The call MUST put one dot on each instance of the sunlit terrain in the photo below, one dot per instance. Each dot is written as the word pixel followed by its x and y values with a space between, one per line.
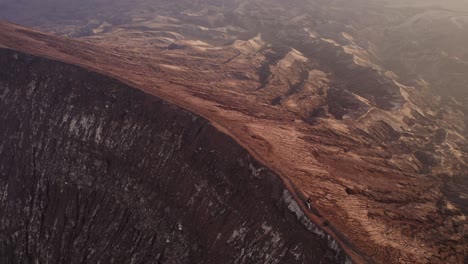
pixel 360 105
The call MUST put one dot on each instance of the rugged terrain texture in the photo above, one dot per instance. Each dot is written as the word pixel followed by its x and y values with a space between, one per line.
pixel 358 104
pixel 95 171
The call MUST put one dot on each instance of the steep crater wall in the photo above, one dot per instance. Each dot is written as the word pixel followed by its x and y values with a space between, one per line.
pixel 94 171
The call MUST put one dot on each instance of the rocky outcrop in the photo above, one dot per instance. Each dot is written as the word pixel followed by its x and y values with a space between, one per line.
pixel 94 171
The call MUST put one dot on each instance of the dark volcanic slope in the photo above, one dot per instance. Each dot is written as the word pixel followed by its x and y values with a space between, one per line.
pixel 360 104
pixel 93 170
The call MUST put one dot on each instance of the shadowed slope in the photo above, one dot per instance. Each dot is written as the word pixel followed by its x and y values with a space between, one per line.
pixel 323 118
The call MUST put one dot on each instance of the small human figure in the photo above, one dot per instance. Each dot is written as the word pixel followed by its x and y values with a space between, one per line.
pixel 309 201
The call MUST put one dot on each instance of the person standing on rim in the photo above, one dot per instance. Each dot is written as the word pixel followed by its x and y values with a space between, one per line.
pixel 309 201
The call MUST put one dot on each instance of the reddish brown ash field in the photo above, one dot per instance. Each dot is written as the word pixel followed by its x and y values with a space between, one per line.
pixel 344 133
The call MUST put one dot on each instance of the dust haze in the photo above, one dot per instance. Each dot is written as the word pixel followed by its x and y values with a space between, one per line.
pixel 278 126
